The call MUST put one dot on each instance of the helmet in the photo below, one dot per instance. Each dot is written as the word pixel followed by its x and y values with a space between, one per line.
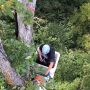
pixel 45 49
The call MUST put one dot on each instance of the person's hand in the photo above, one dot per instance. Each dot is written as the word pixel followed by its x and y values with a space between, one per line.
pixel 46 73
pixel 49 68
pixel 47 77
pixel 41 59
pixel 39 54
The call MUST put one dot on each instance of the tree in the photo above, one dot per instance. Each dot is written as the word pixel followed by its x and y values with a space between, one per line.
pixel 25 33
pixel 25 29
pixel 23 11
pixel 9 73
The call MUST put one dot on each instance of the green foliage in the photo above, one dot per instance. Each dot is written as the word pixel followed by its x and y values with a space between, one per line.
pixel 30 86
pixel 80 30
pixel 85 11
pixel 25 14
pixel 66 25
pixel 7 8
pixel 59 35
pixel 57 10
pixel 81 16
pixel 71 65
pixel 2 83
pixel 65 85
pixel 65 35
pixel 84 42
pixel 17 52
pixel 85 84
pixel 51 10
pixel 42 35
pixel 6 30
pixel 68 34
pixel 86 69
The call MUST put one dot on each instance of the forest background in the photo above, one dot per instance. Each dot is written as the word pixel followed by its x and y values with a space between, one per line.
pixel 65 24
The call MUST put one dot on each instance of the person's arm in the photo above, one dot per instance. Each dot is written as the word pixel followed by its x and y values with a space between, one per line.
pixel 49 68
pixel 39 54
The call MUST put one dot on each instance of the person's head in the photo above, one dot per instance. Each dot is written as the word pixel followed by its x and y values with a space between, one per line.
pixel 46 49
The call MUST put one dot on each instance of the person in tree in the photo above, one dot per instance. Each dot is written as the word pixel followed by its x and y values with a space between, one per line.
pixel 48 57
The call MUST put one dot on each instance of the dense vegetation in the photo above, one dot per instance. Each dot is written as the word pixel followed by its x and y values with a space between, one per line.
pixel 64 24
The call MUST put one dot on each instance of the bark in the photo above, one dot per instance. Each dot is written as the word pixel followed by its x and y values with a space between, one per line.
pixel 25 31
pixel 8 72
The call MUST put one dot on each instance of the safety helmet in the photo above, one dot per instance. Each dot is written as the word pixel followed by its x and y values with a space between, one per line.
pixel 45 49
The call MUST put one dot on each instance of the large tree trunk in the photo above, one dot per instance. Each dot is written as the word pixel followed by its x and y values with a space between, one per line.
pixel 9 73
pixel 25 31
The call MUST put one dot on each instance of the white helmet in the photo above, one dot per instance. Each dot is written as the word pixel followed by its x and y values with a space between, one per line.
pixel 45 49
